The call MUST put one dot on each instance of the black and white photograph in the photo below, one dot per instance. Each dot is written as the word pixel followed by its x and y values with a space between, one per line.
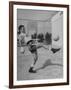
pixel 40 45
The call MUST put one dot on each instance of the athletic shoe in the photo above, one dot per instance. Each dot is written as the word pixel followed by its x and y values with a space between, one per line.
pixel 55 50
pixel 31 70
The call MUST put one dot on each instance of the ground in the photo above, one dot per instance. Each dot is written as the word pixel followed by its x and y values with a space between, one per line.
pixel 48 66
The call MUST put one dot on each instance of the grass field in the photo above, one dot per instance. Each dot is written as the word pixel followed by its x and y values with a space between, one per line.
pixel 48 66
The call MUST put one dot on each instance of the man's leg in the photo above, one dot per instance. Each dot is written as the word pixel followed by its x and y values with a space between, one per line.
pixel 32 69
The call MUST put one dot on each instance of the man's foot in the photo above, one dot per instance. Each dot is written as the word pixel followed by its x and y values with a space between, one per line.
pixel 55 50
pixel 31 70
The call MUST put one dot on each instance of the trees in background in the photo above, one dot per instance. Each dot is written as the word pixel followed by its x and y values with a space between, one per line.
pixel 48 38
pixel 34 36
pixel 40 37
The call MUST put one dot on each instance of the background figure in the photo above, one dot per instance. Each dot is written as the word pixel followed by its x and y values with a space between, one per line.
pixel 21 38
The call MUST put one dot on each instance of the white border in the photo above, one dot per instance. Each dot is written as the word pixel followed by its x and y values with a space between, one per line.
pixel 27 82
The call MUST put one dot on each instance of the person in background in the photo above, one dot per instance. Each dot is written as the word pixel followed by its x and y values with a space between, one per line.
pixel 21 38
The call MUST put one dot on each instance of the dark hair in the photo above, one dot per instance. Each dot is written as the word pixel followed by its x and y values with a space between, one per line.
pixel 30 41
pixel 19 28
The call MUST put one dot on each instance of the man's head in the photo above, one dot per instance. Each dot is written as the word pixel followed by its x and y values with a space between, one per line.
pixel 30 42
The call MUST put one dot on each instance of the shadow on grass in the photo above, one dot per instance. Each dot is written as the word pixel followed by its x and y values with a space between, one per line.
pixel 49 63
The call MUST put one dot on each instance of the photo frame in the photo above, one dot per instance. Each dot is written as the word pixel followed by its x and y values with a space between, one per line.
pixel 39 18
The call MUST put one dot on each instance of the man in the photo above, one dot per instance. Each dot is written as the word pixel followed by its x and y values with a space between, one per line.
pixel 33 49
pixel 33 45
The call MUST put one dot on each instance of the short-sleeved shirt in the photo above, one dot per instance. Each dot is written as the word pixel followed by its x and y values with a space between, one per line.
pixel 32 48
